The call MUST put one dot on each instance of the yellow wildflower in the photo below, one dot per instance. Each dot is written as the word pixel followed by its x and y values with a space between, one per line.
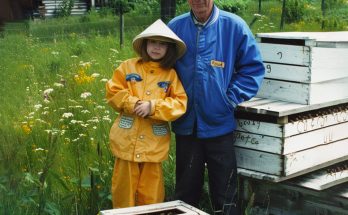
pixel 26 129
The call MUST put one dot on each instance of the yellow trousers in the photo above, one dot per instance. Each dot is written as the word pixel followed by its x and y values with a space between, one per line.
pixel 136 184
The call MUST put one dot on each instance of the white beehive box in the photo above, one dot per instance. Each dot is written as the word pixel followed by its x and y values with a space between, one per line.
pixel 166 208
pixel 305 67
pixel 289 140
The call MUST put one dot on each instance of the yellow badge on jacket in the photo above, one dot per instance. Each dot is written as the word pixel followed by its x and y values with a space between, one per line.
pixel 216 63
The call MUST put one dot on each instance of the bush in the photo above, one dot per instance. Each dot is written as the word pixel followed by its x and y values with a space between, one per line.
pixel 294 10
pixel 237 6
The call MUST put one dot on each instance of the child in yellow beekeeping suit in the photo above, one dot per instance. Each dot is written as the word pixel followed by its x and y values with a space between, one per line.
pixel 147 94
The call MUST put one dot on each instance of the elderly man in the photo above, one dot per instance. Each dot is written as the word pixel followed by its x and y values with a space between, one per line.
pixel 221 68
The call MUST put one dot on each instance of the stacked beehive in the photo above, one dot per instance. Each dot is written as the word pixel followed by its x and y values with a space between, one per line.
pixel 298 124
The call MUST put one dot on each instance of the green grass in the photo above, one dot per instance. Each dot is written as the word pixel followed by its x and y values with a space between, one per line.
pixel 54 155
pixel 54 143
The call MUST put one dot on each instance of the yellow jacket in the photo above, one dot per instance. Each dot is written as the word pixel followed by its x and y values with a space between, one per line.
pixel 147 139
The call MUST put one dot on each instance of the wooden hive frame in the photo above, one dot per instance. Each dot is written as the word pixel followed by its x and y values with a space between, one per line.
pixel 279 140
pixel 166 208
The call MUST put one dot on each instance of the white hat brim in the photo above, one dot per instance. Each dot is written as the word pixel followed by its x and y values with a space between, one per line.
pixel 159 29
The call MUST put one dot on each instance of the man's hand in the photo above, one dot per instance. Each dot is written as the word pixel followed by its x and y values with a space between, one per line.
pixel 142 108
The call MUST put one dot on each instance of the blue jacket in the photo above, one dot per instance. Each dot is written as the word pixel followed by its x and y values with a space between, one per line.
pixel 221 68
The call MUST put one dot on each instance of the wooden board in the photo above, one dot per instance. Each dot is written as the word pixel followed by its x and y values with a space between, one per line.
pixel 338 39
pixel 303 93
pixel 277 108
pixel 304 64
pixel 324 178
pixel 173 207
pixel 293 164
pixel 306 122
pixel 284 145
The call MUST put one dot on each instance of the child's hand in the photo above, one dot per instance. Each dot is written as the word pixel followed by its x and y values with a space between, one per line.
pixel 142 108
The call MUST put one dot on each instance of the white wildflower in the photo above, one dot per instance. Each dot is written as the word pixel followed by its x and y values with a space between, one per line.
pixel 73 121
pixel 95 75
pixel 85 64
pixel 114 50
pixel 85 111
pixel 59 85
pixel 85 125
pixel 38 106
pixel 106 118
pixel 85 95
pixel 103 80
pixel 75 140
pixel 95 120
pixel 48 91
pixel 67 115
pixel 73 101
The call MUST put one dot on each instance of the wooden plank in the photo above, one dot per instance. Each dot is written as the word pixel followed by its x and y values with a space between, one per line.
pixel 314 122
pixel 258 175
pixel 328 64
pixel 288 72
pixel 173 207
pixel 321 39
pixel 315 93
pixel 259 142
pixel 259 127
pixel 309 122
pixel 282 108
pixel 259 161
pixel 294 164
pixel 314 138
pixel 315 158
pixel 285 91
pixel 285 54
pixel 323 91
pixel 324 178
pixel 269 137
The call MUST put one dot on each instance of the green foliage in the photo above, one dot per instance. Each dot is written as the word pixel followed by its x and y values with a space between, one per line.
pixel 65 8
pixel 237 6
pixel 294 10
pixel 146 7
pixel 52 162
pixel 122 6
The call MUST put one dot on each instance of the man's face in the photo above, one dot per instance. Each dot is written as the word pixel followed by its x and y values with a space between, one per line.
pixel 201 8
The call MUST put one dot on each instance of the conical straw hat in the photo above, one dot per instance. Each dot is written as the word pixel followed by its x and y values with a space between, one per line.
pixel 159 31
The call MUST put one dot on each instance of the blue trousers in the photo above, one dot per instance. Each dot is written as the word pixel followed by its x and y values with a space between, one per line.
pixel 193 156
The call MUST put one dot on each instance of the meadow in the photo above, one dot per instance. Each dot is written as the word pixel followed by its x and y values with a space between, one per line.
pixel 54 154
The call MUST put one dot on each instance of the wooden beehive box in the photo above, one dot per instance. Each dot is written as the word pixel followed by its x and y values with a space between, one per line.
pixel 277 140
pixel 166 208
pixel 304 67
pixel 292 198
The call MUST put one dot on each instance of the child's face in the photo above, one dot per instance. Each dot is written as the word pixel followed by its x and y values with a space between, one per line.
pixel 156 49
